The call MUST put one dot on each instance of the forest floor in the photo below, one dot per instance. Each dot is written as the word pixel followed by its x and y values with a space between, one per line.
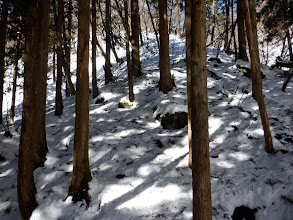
pixel 140 170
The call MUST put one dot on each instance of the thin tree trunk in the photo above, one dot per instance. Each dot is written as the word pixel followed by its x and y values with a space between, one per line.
pixel 251 29
pixel 81 171
pixel 170 17
pixel 241 32
pixel 213 21
pixel 227 6
pixel 153 23
pixel 127 38
pixel 166 82
pixel 135 67
pixel 94 49
pixel 202 205
pixel 66 57
pixel 108 73
pixel 288 36
pixel 188 67
pixel 17 57
pixel 58 101
pixel 178 28
pixel 54 62
pixel 3 28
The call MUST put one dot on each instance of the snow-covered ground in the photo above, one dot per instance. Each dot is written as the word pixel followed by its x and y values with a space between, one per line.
pixel 140 170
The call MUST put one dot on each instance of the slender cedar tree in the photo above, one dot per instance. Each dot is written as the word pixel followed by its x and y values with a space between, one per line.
pixel 251 29
pixel 15 74
pixel 226 38
pixel 188 67
pixel 58 101
pixel 166 82
pixel 81 171
pixel 35 60
pixel 108 73
pixel 127 38
pixel 136 69
pixel 3 28
pixel 94 49
pixel 241 32
pixel 199 111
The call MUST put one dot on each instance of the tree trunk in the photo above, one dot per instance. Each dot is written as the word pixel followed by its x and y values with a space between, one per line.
pixel 66 57
pixel 166 82
pixel 127 38
pixel 58 101
pixel 153 23
pixel 108 73
pixel 94 49
pixel 241 32
pixel 135 67
pixel 251 29
pixel 36 49
pixel 213 21
pixel 188 67
pixel 3 28
pixel 170 17
pixel 178 28
pixel 81 171
pixel 227 6
pixel 202 206
pixel 288 36
pixel 17 57
pixel 54 62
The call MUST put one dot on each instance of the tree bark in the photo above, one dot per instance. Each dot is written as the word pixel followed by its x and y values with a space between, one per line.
pixel 178 28
pixel 58 101
pixel 288 36
pixel 251 29
pixel 213 21
pixel 127 38
pixel 94 49
pixel 17 57
pixel 188 67
pixel 81 172
pixel 34 102
pixel 202 206
pixel 226 38
pixel 135 67
pixel 166 82
pixel 108 73
pixel 241 32
pixel 3 28
pixel 54 62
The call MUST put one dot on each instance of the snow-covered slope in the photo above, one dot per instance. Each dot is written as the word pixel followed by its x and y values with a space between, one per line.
pixel 140 170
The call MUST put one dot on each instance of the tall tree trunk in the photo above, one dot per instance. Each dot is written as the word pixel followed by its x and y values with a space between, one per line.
pixel 153 23
pixel 127 38
pixel 213 21
pixel 178 28
pixel 94 49
pixel 241 32
pixel 108 73
pixel 41 82
pixel 188 67
pixel 36 49
pixel 66 55
pixel 54 62
pixel 3 28
pixel 202 205
pixel 288 36
pixel 135 67
pixel 166 82
pixel 251 29
pixel 81 171
pixel 58 101
pixel 17 57
pixel 170 17
pixel 227 6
